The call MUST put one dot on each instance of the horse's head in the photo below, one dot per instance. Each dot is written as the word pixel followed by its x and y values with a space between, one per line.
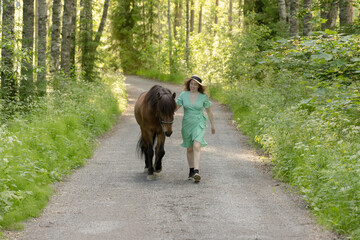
pixel 166 108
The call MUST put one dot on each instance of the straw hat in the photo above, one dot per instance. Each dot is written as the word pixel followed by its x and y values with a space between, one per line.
pixel 195 78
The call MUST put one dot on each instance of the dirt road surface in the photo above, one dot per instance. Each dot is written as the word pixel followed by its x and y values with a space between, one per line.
pixel 111 198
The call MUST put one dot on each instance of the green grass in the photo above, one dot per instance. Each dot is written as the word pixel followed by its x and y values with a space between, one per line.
pixel 40 147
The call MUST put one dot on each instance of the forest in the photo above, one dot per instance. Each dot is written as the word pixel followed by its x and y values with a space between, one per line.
pixel 288 69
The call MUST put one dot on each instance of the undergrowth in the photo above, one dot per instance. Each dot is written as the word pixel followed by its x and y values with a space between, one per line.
pixel 300 101
pixel 41 146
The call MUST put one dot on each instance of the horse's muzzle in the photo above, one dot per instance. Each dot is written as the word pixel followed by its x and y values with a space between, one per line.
pixel 168 134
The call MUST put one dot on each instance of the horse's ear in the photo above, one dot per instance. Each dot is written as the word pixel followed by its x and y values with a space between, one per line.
pixel 159 95
pixel 174 95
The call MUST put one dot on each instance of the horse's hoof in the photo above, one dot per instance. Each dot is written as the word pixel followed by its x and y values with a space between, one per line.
pixel 150 177
pixel 157 170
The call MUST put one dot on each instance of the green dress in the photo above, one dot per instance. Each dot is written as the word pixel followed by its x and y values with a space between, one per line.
pixel 194 120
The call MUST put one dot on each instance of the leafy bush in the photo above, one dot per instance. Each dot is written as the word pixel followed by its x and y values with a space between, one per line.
pixel 305 112
pixel 43 146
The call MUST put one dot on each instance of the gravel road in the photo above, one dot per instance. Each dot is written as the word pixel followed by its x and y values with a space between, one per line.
pixel 110 198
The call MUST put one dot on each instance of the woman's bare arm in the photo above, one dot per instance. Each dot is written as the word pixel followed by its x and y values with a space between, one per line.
pixel 211 118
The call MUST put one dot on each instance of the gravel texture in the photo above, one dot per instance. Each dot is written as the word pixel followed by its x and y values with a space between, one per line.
pixel 111 198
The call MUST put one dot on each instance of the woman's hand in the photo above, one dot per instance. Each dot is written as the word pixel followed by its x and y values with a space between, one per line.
pixel 213 130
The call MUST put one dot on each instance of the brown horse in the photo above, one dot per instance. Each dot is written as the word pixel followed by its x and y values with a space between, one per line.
pixel 154 112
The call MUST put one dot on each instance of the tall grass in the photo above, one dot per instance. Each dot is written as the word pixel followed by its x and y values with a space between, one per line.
pixel 40 147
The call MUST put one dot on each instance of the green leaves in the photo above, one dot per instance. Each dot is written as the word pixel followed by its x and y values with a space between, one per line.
pixel 322 56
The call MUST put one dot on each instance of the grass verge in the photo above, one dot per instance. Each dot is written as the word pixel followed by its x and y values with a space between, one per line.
pixel 57 136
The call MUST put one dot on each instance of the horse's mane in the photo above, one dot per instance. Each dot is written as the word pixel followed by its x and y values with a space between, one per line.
pixel 168 103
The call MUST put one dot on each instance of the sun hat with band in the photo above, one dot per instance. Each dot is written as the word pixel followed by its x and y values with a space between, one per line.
pixel 195 78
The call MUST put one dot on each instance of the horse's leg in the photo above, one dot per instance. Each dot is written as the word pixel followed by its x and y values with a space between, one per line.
pixel 148 143
pixel 148 158
pixel 159 152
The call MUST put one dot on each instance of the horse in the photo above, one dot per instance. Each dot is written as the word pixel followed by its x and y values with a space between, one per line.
pixel 154 112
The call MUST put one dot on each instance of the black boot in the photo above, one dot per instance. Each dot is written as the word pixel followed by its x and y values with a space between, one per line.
pixel 191 174
pixel 197 177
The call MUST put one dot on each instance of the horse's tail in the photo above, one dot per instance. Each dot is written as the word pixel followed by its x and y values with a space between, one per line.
pixel 139 147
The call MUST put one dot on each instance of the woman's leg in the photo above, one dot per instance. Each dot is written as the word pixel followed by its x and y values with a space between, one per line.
pixel 190 156
pixel 196 154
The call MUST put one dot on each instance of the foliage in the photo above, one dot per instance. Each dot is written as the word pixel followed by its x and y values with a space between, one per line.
pixel 57 136
pixel 300 101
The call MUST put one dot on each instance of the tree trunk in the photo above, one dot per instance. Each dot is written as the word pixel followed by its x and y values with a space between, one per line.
pixel 307 20
pixel 36 29
pixel 288 4
pixel 216 15
pixel 294 20
pixel 240 12
pixel 159 32
pixel 200 19
pixel 151 22
pixel 91 54
pixel 178 16
pixel 41 76
pixel 192 16
pixel 86 40
pixel 170 39
pixel 144 34
pixel 330 14
pixel 187 50
pixel 66 43
pixel 282 10
pixel 102 23
pixel 346 12
pixel 73 40
pixel 216 11
pixel 230 15
pixel 55 35
pixel 8 78
pixel 27 80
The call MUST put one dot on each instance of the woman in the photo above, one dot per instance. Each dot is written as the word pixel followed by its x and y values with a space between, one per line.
pixel 193 99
